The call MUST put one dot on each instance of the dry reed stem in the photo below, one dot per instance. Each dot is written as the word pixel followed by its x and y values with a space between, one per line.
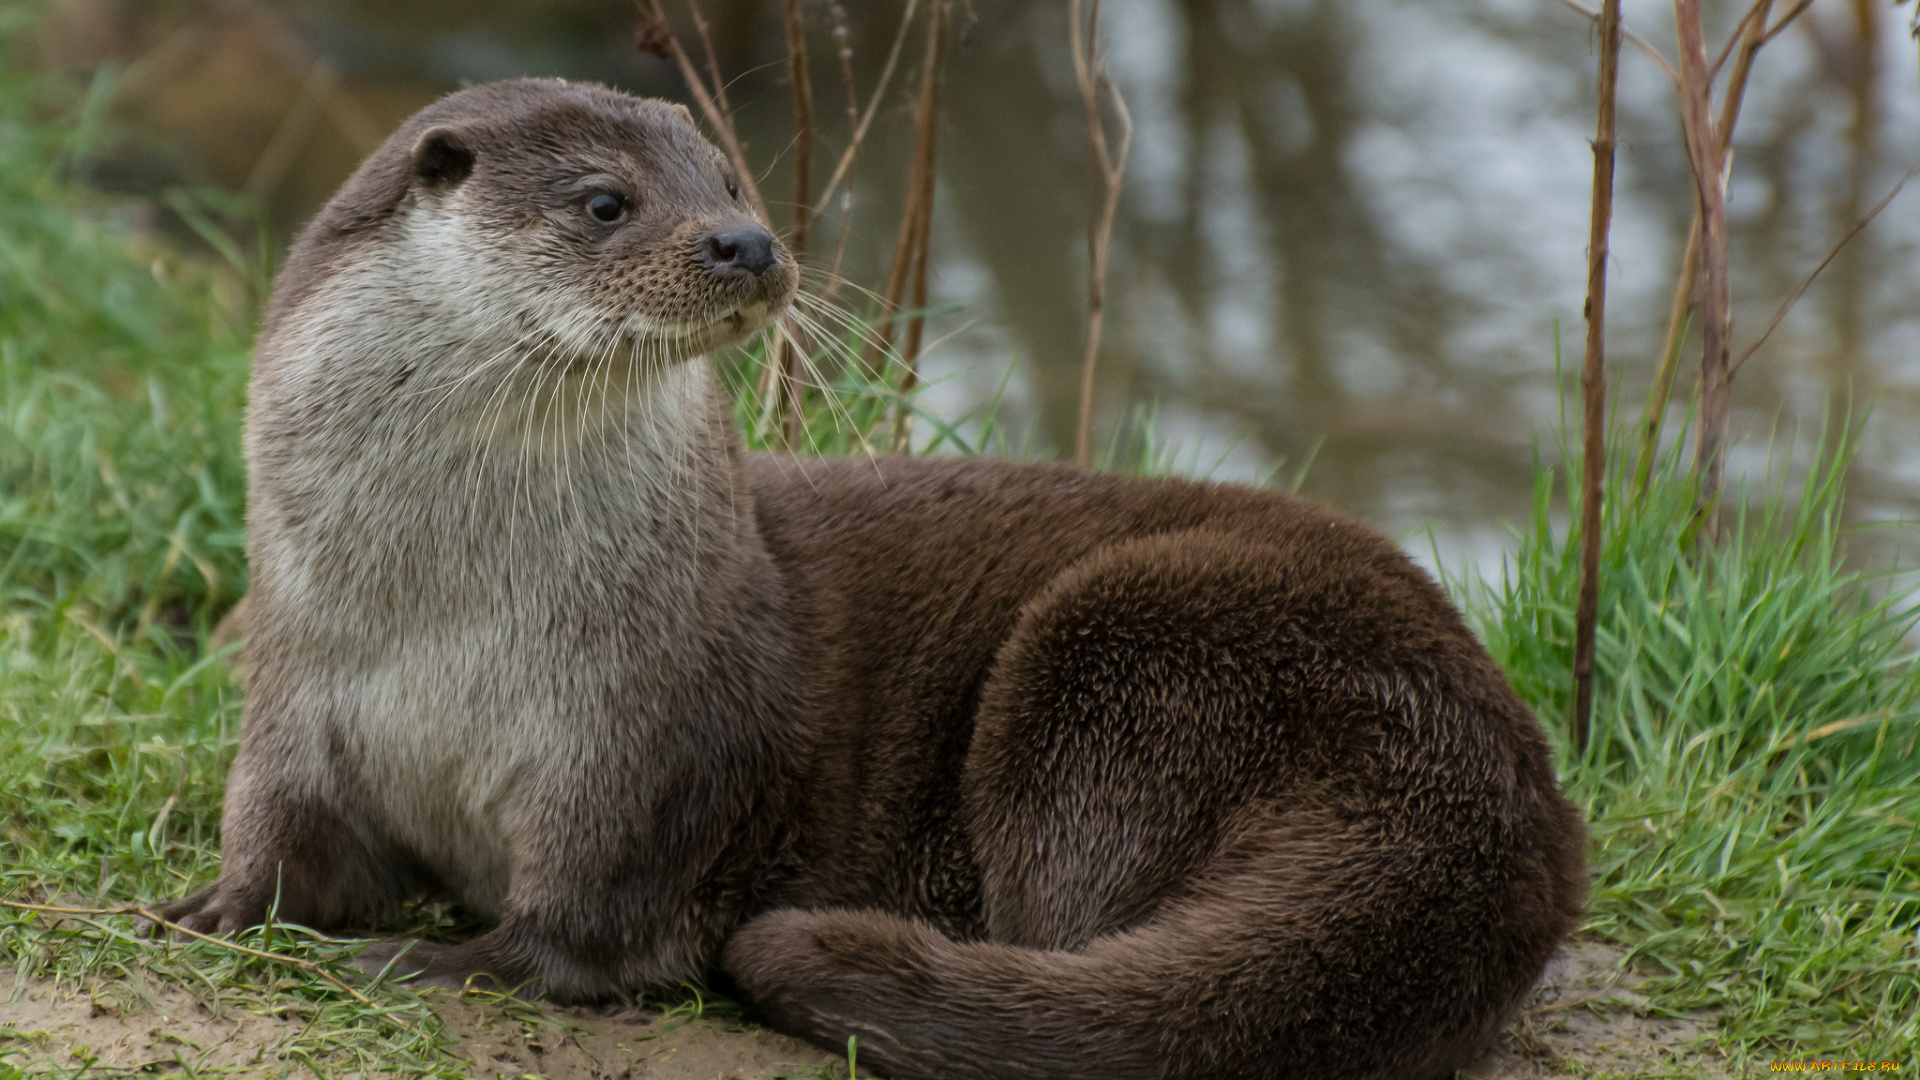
pixel 1786 20
pixel 1739 35
pixel 929 122
pixel 916 226
pixel 845 167
pixel 654 36
pixel 1716 313
pixel 1751 35
pixel 1593 378
pixel 802 123
pixel 909 215
pixel 153 917
pixel 1106 169
pixel 701 28
pixel 1679 312
pixel 1792 298
pixel 843 49
pixel 1653 51
pixel 789 358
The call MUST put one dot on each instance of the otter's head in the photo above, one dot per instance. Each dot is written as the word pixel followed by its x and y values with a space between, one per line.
pixel 568 220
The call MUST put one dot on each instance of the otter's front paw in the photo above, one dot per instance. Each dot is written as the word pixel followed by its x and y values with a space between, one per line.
pixel 424 963
pixel 216 909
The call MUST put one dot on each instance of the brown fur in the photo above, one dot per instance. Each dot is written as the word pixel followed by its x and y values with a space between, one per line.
pixel 1009 771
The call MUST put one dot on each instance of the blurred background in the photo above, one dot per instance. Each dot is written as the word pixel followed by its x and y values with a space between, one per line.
pixel 1351 230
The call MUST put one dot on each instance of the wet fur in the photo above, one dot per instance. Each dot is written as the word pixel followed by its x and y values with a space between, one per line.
pixel 1009 771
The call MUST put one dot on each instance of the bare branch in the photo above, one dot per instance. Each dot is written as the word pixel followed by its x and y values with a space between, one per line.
pixel 916 227
pixel 1703 151
pixel 843 47
pixel 1859 227
pixel 802 123
pixel 1787 19
pixel 655 36
pixel 1751 36
pixel 1645 46
pixel 713 61
pixel 873 106
pixel 792 343
pixel 1106 169
pixel 1733 39
pixel 1593 386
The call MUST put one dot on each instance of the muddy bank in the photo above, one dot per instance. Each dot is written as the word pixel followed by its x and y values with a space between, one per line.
pixel 1585 1020
pixel 141 1025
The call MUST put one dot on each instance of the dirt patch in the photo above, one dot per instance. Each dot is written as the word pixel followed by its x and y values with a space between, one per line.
pixel 1585 1020
pixel 130 1024
pixel 145 1026
pixel 514 1041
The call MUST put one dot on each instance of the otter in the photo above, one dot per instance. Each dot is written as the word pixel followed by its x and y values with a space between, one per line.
pixel 1007 770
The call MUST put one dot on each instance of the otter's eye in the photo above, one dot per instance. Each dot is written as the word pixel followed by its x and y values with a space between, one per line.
pixel 607 208
pixel 733 189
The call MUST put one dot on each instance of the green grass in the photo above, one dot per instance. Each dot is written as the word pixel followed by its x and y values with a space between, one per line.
pixel 122 376
pixel 1752 784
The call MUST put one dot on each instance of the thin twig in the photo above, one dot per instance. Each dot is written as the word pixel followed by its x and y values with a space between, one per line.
pixel 1638 42
pixel 911 241
pixel 1593 385
pixel 1739 34
pixel 904 237
pixel 790 401
pixel 1750 35
pixel 873 106
pixel 1787 19
pixel 153 917
pixel 920 205
pixel 654 35
pixel 1753 36
pixel 802 123
pixel 1679 319
pixel 713 60
pixel 843 48
pixel 1106 168
pixel 1859 227
pixel 1703 151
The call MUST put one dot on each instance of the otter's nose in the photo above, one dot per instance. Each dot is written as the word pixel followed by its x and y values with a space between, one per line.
pixel 737 252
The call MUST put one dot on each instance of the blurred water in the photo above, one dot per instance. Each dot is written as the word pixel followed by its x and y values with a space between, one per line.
pixel 1350 227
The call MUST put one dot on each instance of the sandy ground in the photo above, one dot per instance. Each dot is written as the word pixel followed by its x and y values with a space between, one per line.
pixel 628 1044
pixel 141 1026
pixel 1583 1022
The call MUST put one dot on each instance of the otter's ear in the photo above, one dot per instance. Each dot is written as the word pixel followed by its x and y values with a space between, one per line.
pixel 681 114
pixel 441 158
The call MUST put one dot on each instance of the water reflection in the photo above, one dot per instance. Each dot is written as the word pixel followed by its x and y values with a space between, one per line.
pixel 1350 224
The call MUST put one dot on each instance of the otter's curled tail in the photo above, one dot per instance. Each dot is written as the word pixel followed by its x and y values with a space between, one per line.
pixel 1312 949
